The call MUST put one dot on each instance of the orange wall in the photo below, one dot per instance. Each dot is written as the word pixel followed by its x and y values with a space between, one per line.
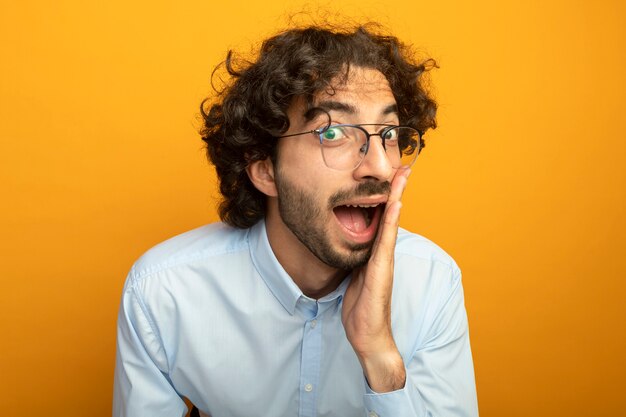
pixel 523 183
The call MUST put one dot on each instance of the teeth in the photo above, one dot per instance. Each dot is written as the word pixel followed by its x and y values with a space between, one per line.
pixel 362 205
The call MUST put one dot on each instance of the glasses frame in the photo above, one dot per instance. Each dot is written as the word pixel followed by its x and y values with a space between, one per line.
pixel 386 128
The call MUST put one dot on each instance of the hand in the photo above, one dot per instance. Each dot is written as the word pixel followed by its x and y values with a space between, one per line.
pixel 366 313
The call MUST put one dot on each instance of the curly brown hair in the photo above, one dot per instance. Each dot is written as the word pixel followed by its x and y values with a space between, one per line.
pixel 244 119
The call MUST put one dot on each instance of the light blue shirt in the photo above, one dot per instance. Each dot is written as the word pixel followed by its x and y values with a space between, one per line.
pixel 212 316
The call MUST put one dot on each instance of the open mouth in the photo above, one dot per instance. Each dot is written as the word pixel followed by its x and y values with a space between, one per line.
pixel 359 218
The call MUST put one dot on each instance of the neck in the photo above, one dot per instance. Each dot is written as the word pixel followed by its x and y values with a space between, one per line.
pixel 314 278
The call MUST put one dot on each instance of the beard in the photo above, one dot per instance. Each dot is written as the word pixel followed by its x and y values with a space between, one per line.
pixel 307 218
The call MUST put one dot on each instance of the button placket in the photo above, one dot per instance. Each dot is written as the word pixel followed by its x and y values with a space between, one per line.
pixel 310 368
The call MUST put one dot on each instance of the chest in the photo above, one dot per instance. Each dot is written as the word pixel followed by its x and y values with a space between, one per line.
pixel 268 365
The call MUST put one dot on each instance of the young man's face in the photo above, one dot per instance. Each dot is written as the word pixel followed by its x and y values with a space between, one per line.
pixel 316 203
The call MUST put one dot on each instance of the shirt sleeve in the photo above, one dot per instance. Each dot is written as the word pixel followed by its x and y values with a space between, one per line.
pixel 141 384
pixel 439 374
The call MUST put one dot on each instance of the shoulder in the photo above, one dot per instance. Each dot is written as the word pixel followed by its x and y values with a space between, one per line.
pixel 203 242
pixel 417 247
pixel 422 267
pixel 427 303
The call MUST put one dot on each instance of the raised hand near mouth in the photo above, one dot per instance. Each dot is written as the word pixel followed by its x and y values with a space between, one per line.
pixel 366 313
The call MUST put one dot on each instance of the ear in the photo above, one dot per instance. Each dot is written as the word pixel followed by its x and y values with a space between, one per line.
pixel 261 173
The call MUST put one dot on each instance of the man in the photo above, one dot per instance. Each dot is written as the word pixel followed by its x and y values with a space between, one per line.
pixel 308 300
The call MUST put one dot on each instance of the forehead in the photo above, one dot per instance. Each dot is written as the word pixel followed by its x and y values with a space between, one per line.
pixel 363 93
pixel 360 86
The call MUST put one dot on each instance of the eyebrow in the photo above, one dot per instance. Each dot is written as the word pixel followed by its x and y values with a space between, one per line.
pixel 330 105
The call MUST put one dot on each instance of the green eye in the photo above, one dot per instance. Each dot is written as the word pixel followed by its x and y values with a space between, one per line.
pixel 333 134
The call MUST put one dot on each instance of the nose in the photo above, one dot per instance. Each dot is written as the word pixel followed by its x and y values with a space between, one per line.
pixel 375 164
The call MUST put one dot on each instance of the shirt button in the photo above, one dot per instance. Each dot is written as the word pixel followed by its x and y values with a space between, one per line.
pixel 309 388
pixel 372 414
pixel 313 324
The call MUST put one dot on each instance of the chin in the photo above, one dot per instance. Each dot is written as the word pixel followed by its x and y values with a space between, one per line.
pixel 350 257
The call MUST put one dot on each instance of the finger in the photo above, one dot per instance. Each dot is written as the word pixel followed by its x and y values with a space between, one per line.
pixel 398 185
pixel 386 240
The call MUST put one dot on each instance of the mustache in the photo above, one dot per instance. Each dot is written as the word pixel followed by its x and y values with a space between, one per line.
pixel 362 190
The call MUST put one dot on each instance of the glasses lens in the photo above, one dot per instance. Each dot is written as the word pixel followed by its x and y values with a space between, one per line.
pixel 402 145
pixel 343 147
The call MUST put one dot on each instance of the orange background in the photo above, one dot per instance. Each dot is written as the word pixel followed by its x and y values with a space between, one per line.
pixel 523 183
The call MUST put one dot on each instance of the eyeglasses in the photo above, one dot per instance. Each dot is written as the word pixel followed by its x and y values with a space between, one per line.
pixel 344 146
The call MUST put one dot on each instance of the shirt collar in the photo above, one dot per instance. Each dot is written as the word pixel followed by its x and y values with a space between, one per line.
pixel 275 277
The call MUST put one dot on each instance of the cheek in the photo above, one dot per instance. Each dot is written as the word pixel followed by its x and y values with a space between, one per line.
pixel 303 153
pixel 302 166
